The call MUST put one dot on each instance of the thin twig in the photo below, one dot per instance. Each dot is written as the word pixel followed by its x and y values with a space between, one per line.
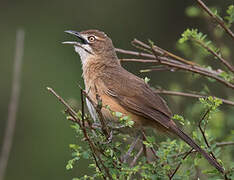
pixel 198 70
pixel 97 164
pixel 62 100
pixel 178 65
pixel 100 115
pixel 141 47
pixel 154 152
pixel 139 60
pixel 221 144
pixel 136 157
pixel 176 93
pixel 153 60
pixel 134 53
pixel 151 148
pixel 182 153
pixel 132 146
pixel 157 50
pixel 92 147
pixel 102 119
pixel 85 131
pixel 203 131
pixel 216 18
pixel 83 128
pixel 178 166
pixel 187 67
pixel 219 56
pixel 144 146
pixel 13 105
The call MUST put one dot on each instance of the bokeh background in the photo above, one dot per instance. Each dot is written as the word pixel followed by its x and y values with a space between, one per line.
pixel 42 135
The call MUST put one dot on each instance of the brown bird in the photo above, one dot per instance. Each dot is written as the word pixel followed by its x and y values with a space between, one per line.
pixel 121 90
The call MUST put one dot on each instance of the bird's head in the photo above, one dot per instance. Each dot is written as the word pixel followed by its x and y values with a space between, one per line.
pixel 92 43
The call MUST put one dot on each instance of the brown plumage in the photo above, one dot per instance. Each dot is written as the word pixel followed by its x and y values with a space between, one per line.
pixel 123 91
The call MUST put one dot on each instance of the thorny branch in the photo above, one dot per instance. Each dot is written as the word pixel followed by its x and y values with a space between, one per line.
pixel 98 108
pixel 72 113
pixel 169 61
pixel 194 95
pixel 173 64
pixel 219 56
pixel 151 148
pixel 178 166
pixel 136 157
pixel 204 129
pixel 96 151
pixel 205 139
pixel 224 144
pixel 216 18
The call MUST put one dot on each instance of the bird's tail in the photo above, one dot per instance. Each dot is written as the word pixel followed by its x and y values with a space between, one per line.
pixel 190 142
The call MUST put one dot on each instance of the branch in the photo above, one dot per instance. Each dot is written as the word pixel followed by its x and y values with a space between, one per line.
pixel 13 105
pixel 151 148
pixel 225 62
pixel 63 102
pixel 91 144
pixel 175 93
pixel 175 64
pixel 98 108
pixel 203 131
pixel 139 60
pixel 221 144
pixel 216 18
pixel 83 128
pixel 161 52
pixel 178 166
pixel 188 67
pixel 136 157
pixel 134 53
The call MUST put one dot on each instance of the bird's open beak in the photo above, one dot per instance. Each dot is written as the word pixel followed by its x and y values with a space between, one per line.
pixel 77 34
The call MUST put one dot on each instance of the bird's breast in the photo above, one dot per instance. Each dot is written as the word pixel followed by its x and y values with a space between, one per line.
pixel 110 105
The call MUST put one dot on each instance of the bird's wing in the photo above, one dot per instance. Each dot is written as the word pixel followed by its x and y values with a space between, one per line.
pixel 136 96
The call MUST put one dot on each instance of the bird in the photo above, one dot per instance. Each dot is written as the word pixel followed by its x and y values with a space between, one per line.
pixel 123 91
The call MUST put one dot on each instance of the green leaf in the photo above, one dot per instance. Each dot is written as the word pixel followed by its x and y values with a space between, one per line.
pixel 230 17
pixel 199 39
pixel 178 118
pixel 226 76
pixel 69 165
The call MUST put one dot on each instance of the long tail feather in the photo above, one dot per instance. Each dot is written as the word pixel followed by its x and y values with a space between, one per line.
pixel 190 142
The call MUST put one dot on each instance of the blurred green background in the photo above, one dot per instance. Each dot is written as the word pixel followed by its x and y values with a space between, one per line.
pixel 42 135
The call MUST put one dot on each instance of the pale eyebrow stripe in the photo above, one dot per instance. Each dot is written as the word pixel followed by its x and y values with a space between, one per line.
pixel 87 35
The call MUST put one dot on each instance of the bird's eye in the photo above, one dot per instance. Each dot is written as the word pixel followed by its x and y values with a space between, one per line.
pixel 91 38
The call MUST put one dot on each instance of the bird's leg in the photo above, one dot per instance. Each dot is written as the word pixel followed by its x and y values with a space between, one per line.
pixel 126 156
pixel 143 145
